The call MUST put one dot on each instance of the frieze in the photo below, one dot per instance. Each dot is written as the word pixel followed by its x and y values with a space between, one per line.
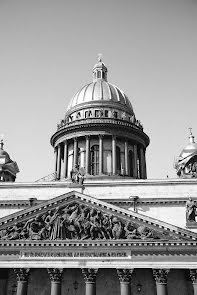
pixel 77 221
pixel 74 254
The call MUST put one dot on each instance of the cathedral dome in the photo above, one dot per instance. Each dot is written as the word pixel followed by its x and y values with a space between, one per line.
pixel 102 91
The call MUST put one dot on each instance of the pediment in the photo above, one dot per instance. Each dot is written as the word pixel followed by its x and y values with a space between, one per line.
pixel 75 216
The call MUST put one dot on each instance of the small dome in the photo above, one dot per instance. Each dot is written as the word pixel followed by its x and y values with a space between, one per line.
pixel 4 153
pixel 101 90
pixel 190 149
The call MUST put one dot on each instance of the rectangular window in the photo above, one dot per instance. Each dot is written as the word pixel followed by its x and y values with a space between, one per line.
pixel 106 113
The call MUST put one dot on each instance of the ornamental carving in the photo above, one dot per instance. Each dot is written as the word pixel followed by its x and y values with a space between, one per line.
pixel 193 275
pixel 55 274
pixel 161 275
pixel 22 274
pixel 89 274
pixel 190 210
pixel 80 222
pixel 124 275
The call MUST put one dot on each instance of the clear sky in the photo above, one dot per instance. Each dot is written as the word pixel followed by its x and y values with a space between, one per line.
pixel 48 49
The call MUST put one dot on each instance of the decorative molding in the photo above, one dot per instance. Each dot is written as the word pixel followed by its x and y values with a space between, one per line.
pixel 55 274
pixel 22 274
pixel 124 275
pixel 89 274
pixel 161 275
pixel 193 275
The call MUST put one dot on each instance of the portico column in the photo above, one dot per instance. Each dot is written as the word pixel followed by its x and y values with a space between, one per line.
pixel 161 276
pixel 100 154
pixel 87 154
pixel 114 155
pixel 75 153
pixel 89 275
pixel 142 163
pixel 126 158
pixel 65 159
pixel 193 277
pixel 22 280
pixel 55 275
pixel 135 174
pixel 124 276
pixel 58 161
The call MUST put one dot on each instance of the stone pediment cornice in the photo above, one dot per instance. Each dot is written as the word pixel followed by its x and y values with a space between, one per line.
pixel 75 216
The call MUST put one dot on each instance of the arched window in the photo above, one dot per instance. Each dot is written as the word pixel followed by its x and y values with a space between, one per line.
pixel 95 160
pixel 118 161
pixel 130 163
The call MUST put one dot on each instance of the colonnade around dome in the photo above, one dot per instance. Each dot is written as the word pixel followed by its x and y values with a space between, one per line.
pixel 100 155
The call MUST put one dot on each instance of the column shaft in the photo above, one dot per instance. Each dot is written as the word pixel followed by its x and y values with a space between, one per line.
pixel 55 157
pixel 65 159
pixel 75 164
pixel 142 163
pixel 113 155
pixel 58 161
pixel 161 289
pixel 125 289
pixel 100 154
pixel 21 288
pixel 55 288
pixel 126 158
pixel 87 164
pixel 195 289
pixel 135 168
pixel 90 288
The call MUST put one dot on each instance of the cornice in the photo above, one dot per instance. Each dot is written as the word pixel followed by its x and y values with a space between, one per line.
pixel 99 123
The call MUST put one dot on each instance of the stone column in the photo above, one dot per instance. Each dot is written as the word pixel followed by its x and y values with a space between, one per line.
pixel 55 157
pixel 126 158
pixel 89 275
pixel 22 280
pixel 124 276
pixel 114 155
pixel 100 154
pixel 65 168
pixel 75 159
pixel 142 163
pixel 193 277
pixel 135 174
pixel 161 276
pixel 87 164
pixel 58 161
pixel 55 275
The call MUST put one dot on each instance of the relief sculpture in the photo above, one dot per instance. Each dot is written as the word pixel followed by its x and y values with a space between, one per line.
pixel 80 222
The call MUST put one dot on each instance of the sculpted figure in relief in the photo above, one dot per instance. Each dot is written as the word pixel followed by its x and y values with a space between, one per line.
pixel 190 210
pixel 78 221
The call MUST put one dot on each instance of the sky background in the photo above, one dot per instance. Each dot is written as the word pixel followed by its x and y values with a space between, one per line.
pixel 48 49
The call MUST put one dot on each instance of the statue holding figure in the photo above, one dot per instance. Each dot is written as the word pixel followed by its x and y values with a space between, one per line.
pixel 190 210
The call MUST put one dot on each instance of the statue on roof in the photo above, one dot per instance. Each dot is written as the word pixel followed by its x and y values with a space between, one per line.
pixel 190 210
pixel 186 163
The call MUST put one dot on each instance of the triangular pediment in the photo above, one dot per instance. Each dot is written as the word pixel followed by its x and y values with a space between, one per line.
pixel 75 216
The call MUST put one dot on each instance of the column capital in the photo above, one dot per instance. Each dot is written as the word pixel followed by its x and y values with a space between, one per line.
pixel 55 274
pixel 161 275
pixel 193 275
pixel 89 274
pixel 75 139
pixel 87 136
pixel 124 275
pixel 113 136
pixel 22 274
pixel 101 136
